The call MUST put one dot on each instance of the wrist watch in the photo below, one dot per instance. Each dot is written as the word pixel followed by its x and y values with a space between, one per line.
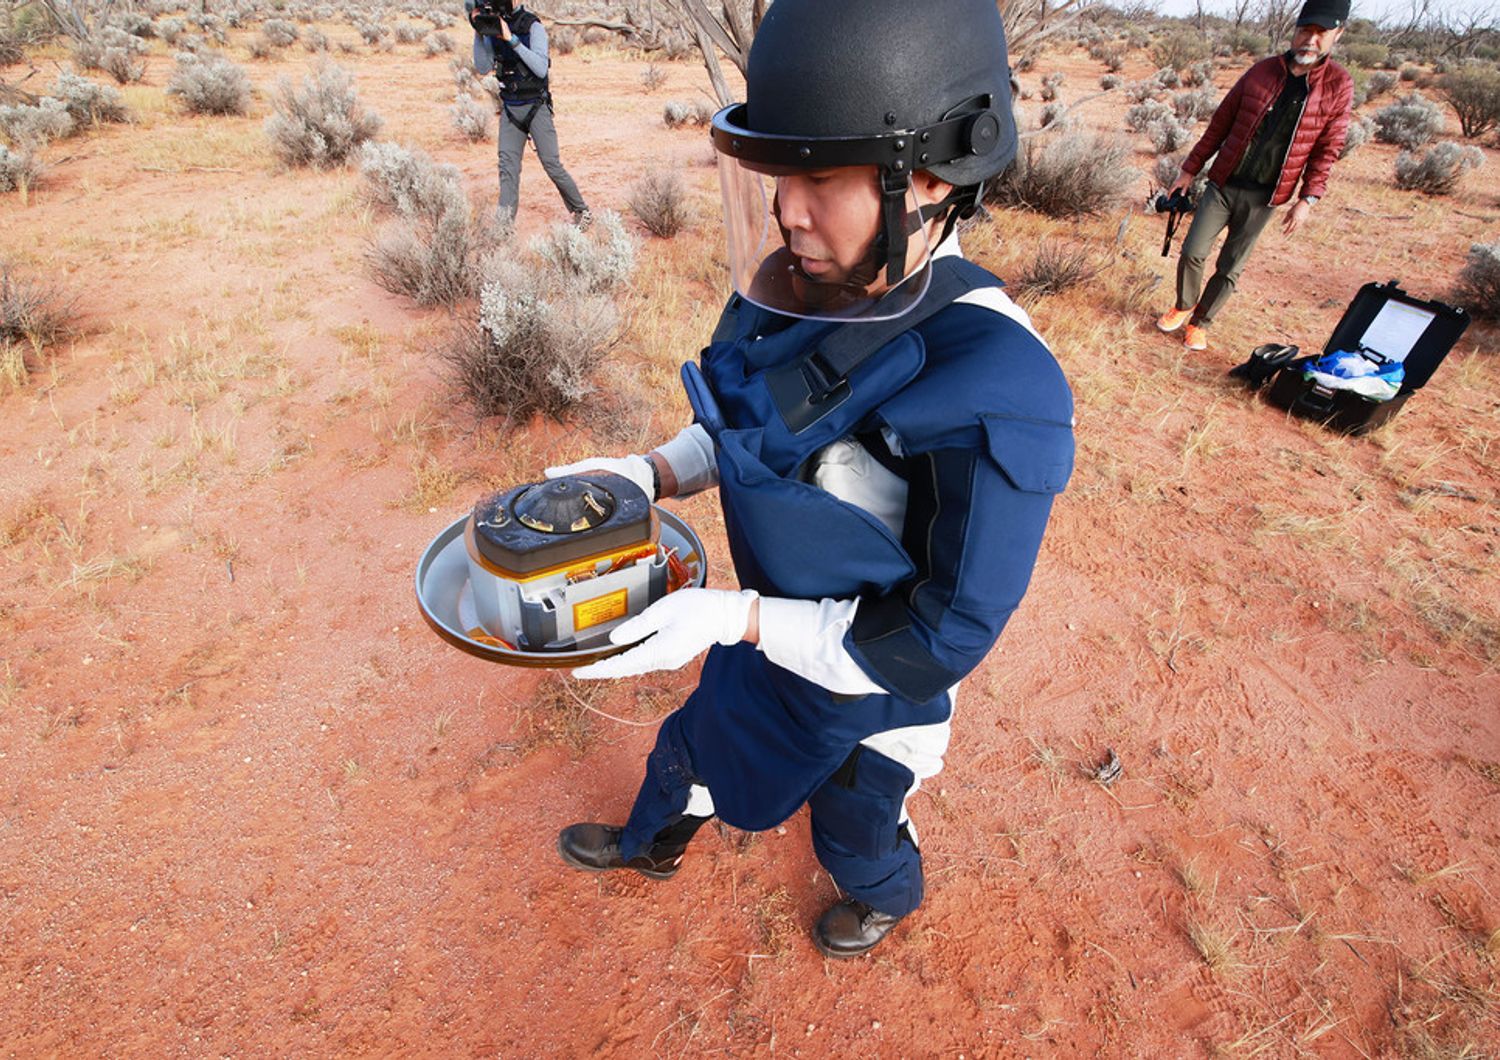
pixel 1311 200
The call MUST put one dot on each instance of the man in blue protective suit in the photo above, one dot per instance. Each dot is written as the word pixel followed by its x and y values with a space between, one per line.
pixel 887 434
pixel 512 41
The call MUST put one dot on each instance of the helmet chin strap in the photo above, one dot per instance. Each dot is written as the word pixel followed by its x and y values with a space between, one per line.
pixel 889 247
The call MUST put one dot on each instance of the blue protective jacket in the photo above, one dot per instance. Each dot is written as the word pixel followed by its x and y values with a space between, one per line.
pixel 983 417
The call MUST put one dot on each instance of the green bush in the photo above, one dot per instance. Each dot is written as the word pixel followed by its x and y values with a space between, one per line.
pixel 1368 54
pixel 1473 92
pixel 1180 50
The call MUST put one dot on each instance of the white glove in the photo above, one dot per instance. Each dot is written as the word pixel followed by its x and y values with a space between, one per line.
pixel 634 467
pixel 686 623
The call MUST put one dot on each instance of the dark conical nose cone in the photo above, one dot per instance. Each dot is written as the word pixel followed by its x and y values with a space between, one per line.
pixel 564 506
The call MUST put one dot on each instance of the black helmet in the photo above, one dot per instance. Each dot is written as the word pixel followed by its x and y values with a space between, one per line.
pixel 890 83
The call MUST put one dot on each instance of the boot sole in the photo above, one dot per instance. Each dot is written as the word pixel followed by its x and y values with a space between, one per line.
pixel 573 862
pixel 841 955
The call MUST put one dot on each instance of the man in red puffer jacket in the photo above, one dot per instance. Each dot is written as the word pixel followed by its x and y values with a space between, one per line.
pixel 1284 120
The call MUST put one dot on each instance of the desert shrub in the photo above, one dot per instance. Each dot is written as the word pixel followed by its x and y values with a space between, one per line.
pixel 1053 116
pixel 18 34
pixel 1167 135
pixel 1164 174
pixel 122 65
pixel 1057 267
pixel 314 40
pixel 687 112
pixel 408 33
pixel 19 169
pixel 1110 82
pixel 1111 55
pixel 260 48
pixel 323 123
pixel 88 55
pixel 114 37
pixel 1409 122
pixel 31 126
pixel 538 339
pixel 169 29
pixel 279 32
pixel 1478 288
pixel 659 201
pixel 1142 91
pixel 437 43
pixel 675 46
pixel 1241 40
pixel 371 32
pixel 1473 92
pixel 433 253
pixel 1200 74
pixel 133 23
pixel 1140 116
pixel 209 84
pixel 1050 82
pixel 407 180
pixel 1369 54
pixel 432 260
pixel 1068 175
pixel 89 103
pixel 653 77
pixel 1360 130
pixel 1437 171
pixel 1379 83
pixel 593 260
pixel 470 117
pixel 35 312
pixel 562 42
pixel 1409 73
pixel 1168 77
pixel 462 69
pixel 1179 50
pixel 1195 105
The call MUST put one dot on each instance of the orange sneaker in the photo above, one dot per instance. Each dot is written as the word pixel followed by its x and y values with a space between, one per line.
pixel 1195 338
pixel 1173 319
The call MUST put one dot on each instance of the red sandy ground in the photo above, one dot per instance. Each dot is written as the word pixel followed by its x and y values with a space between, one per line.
pixel 250 805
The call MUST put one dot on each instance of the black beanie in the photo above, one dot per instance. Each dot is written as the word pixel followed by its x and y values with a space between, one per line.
pixel 1330 14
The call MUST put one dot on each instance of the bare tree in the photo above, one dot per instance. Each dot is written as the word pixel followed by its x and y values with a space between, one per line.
pixel 1462 33
pixel 1279 19
pixel 1028 23
pixel 729 30
pixel 77 18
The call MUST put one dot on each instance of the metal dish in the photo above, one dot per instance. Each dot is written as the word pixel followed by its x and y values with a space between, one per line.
pixel 446 598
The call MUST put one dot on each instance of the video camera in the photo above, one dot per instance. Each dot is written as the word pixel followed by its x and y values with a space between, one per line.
pixel 489 14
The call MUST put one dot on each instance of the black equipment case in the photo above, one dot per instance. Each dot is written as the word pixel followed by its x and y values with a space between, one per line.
pixel 1385 319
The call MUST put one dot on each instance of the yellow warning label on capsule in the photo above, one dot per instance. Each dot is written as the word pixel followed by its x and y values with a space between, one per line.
pixel 600 609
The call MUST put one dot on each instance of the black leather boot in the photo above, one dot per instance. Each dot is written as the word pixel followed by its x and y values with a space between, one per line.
pixel 852 927
pixel 596 848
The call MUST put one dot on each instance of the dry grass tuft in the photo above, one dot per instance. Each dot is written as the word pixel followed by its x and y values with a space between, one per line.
pixel 1213 946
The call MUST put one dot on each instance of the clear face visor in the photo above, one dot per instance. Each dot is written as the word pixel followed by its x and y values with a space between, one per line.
pixel 814 244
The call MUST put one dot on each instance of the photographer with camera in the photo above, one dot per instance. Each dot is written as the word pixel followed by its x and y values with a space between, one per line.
pixel 512 42
pixel 1283 121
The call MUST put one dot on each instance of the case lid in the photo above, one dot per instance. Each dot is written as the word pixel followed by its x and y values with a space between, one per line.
pixel 1399 327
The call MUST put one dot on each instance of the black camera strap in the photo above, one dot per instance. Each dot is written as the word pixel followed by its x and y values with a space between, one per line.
pixel 1174 218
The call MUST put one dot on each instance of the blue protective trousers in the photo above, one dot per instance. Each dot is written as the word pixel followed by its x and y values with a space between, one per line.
pixel 856 819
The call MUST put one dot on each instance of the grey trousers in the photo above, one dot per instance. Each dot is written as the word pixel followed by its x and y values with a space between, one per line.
pixel 543 136
pixel 1244 213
